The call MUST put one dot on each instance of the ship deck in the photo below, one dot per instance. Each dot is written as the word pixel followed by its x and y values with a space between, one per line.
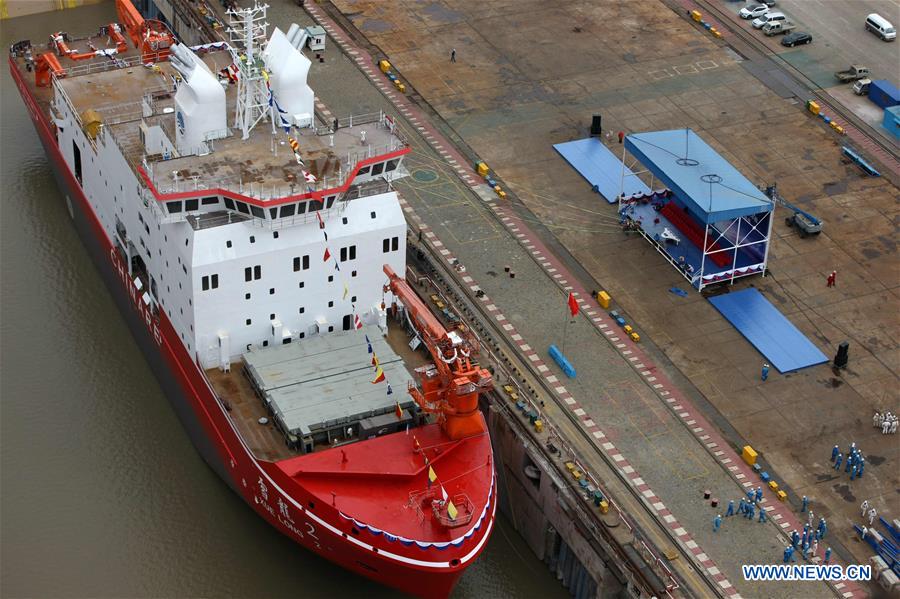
pixel 245 407
pixel 263 165
pixel 263 160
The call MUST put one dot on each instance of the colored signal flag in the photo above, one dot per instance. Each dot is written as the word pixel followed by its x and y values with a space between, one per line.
pixel 326 256
pixel 379 375
pixel 573 305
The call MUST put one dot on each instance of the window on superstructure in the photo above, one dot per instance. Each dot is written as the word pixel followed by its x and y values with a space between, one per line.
pixel 344 220
pixel 229 203
pixel 353 273
pixel 385 245
pixel 248 274
pixel 247 322
pixel 330 278
pixel 315 205
pixel 377 168
pixel 242 207
pixel 257 272
pixel 273 213
pixel 301 207
pixel 302 284
pixel 191 205
pixel 252 239
pixel 302 310
pixel 205 283
pixel 271 291
pixel 395 243
pixel 364 170
pixel 288 210
pixel 246 296
pixel 391 165
pixel 173 207
pixel 257 211
pixel 353 299
pixel 215 281
pixel 372 214
pixel 330 202
pixel 331 304
pixel 228 243
pixel 347 322
pixel 275 234
pixel 265 343
pixel 209 201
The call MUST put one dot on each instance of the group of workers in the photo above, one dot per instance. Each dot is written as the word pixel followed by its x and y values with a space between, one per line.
pixel 855 462
pixel 887 422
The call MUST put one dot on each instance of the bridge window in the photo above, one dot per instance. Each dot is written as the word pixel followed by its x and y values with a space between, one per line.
pixel 377 168
pixel 242 208
pixel 257 212
pixel 210 201
pixel 288 210
pixel 301 207
pixel 391 165
pixel 173 207
pixel 191 205
pixel 229 203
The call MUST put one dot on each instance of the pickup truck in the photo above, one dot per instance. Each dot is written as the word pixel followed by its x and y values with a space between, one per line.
pixel 856 71
pixel 776 27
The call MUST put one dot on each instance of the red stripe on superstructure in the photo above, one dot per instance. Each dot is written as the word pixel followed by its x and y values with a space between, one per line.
pixel 316 195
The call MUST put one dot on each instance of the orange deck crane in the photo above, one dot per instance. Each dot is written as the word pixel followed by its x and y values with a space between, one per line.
pixel 449 387
pixel 151 36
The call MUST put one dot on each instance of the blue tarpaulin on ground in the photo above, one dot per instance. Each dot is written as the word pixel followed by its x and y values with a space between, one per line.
pixel 596 163
pixel 783 345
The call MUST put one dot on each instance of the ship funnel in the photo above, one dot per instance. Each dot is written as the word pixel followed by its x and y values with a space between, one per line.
pixel 199 103
pixel 288 69
pixel 297 36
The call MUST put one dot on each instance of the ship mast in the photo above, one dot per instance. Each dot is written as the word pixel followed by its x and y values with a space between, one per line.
pixel 247 31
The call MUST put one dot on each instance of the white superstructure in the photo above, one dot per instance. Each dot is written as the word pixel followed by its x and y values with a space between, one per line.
pixel 235 261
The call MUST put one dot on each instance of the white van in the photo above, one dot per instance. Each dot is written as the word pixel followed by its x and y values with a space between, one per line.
pixel 768 18
pixel 880 27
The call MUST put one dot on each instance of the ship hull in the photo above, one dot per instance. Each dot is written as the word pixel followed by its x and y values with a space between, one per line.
pixel 260 484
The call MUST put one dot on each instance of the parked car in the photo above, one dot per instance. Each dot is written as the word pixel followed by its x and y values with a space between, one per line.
pixel 880 27
pixel 796 38
pixel 753 11
pixel 768 18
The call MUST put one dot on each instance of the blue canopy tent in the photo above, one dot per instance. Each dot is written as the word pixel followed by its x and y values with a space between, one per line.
pixel 712 223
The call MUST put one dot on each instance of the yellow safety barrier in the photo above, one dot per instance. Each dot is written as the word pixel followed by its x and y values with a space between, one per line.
pixel 604 507
pixel 482 169
pixel 384 65
pixel 782 496
pixel 695 14
pixel 749 455
pixel 604 300
pixel 773 485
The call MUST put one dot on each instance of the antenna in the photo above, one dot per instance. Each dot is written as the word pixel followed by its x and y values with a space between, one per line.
pixel 247 32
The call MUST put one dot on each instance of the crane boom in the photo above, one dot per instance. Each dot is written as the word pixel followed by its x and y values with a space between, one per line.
pixel 451 386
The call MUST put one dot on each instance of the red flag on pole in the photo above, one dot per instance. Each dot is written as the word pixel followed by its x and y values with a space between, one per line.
pixel 573 305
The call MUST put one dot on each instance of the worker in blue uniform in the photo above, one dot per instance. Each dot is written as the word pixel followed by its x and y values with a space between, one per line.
pixel 730 511
pixel 835 452
pixel 765 371
pixel 837 461
pixel 805 504
pixel 717 522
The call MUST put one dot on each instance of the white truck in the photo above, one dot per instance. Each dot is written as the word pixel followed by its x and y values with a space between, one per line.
pixel 777 27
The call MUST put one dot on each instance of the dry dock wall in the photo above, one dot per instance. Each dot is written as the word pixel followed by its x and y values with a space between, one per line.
pixel 541 509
